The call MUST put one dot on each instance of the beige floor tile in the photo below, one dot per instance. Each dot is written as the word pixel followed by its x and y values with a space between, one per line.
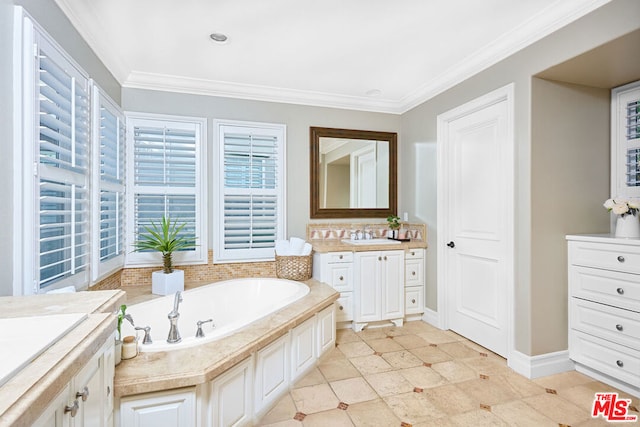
pixel 437 336
pixel 388 383
pixel 374 413
pixel 315 398
pixel 338 369
pixel 353 390
pixel 454 371
pixel 487 366
pixel 490 391
pixel 557 408
pixel 284 410
pixel 477 418
pixel 370 364
pixel 334 353
pixel 418 326
pixel 312 378
pixel 422 377
pixel 287 423
pixel 563 380
pixel 519 414
pixel 413 407
pixel 401 359
pixel 435 422
pixel 394 331
pixel 597 422
pixel 450 399
pixel 430 354
pixel 458 350
pixel 373 334
pixel 384 345
pixel 346 335
pixel 354 349
pixel 332 418
pixel 410 341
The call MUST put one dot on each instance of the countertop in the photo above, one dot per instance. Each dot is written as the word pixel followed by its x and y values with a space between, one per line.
pixel 26 395
pixel 336 245
pixel 155 371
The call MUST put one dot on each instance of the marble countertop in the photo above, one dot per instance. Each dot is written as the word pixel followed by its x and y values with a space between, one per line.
pixel 336 245
pixel 155 371
pixel 27 394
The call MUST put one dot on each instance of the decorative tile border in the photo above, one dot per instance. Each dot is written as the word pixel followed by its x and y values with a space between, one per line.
pixel 339 231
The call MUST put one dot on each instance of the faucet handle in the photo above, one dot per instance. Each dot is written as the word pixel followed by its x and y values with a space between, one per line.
pixel 200 332
pixel 147 334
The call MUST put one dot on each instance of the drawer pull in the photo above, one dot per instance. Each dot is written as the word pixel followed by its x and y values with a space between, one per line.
pixel 620 363
pixel 339 256
pixel 385 258
pixel 341 308
pixel 72 408
pixel 413 301
pixel 620 291
pixel 341 278
pixel 413 273
pixel 379 258
pixel 619 327
pixel 620 258
pixel 84 394
pixel 413 253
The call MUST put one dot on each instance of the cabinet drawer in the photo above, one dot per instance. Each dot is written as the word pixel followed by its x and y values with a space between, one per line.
pixel 341 277
pixel 344 307
pixel 336 257
pixel 414 272
pixel 414 300
pixel 609 358
pixel 414 254
pixel 624 258
pixel 610 323
pixel 608 287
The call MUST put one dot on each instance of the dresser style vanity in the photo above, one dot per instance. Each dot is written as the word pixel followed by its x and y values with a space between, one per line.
pixel 604 308
pixel 379 280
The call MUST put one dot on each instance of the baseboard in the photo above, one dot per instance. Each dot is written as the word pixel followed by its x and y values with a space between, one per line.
pixel 431 317
pixel 540 365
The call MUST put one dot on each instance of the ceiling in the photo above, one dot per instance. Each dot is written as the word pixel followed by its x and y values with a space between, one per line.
pixel 370 55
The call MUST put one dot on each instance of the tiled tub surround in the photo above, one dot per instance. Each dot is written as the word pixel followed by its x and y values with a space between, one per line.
pixel 193 368
pixel 25 396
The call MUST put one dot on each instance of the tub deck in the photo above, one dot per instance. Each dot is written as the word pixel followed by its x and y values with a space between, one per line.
pixel 157 371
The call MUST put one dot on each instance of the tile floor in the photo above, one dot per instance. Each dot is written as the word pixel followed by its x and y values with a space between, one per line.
pixel 418 375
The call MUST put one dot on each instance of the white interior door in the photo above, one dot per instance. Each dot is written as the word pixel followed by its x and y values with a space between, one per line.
pixel 475 219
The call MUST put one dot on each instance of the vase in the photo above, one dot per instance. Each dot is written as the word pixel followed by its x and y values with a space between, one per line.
pixel 628 226
pixel 167 284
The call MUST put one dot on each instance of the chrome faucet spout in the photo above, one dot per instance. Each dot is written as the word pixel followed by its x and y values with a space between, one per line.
pixel 174 334
pixel 176 302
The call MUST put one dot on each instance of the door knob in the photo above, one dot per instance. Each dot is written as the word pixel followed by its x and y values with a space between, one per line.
pixel 451 245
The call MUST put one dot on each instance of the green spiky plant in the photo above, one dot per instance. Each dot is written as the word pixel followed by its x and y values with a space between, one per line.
pixel 166 239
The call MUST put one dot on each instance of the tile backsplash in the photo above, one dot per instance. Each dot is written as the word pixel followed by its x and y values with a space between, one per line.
pixel 336 231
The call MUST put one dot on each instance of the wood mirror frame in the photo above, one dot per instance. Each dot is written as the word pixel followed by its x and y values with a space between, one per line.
pixel 316 210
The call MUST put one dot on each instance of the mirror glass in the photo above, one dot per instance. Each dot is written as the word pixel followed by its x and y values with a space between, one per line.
pixel 353 173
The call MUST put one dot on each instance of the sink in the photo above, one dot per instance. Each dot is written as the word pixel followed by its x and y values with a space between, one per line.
pixel 22 339
pixel 372 242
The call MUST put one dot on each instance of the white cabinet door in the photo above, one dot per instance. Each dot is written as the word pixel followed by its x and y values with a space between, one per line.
pixel 175 408
pixel 89 394
pixel 272 374
pixel 231 403
pixel 367 287
pixel 344 307
pixel 303 348
pixel 326 330
pixel 392 286
pixel 55 415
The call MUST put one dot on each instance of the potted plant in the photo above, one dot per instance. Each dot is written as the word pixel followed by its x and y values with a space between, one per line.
pixel 393 222
pixel 166 239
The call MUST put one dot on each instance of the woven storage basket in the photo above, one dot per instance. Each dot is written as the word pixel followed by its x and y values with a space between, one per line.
pixel 294 267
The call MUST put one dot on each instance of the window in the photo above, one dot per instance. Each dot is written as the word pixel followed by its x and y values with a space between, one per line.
pixel 165 176
pixel 625 140
pixel 109 185
pixel 249 186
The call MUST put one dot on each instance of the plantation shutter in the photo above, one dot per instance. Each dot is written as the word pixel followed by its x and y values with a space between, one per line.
pixel 632 113
pixel 252 197
pixel 63 169
pixel 625 138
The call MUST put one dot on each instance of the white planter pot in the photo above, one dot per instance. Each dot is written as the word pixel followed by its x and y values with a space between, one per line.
pixel 629 226
pixel 166 284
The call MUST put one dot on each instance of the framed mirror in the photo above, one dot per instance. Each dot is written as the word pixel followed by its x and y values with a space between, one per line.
pixel 353 173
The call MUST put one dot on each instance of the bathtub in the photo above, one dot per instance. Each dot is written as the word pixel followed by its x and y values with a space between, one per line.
pixel 232 304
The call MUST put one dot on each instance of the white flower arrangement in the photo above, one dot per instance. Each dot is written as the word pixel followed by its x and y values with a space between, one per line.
pixel 622 207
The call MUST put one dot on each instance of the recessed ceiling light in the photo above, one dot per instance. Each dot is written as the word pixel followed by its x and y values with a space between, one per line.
pixel 373 92
pixel 218 37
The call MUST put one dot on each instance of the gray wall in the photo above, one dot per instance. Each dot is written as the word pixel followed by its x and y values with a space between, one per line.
pixel 540 260
pixel 298 119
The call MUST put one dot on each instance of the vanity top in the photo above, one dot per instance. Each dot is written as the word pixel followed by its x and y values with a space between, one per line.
pixel 27 393
pixel 364 245
pixel 336 237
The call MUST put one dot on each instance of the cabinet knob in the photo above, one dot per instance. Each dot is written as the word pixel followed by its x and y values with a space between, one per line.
pixel 385 258
pixel 620 291
pixel 339 256
pixel 413 273
pixel 341 278
pixel 620 258
pixel 84 394
pixel 413 253
pixel 73 408
pixel 341 308
pixel 619 327
pixel 108 391
pixel 379 258
pixel 620 363
pixel 413 301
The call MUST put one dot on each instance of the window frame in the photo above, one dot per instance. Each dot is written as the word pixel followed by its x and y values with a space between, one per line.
pixel 151 259
pixel 220 254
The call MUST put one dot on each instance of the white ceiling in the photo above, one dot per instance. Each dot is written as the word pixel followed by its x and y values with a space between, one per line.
pixel 326 52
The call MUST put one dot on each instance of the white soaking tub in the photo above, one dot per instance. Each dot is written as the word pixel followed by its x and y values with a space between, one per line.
pixel 232 304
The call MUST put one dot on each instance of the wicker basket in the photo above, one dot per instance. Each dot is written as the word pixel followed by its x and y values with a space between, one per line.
pixel 294 267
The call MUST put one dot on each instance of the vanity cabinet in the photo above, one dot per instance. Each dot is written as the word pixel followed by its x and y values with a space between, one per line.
pixel 604 309
pixel 336 269
pixel 378 287
pixel 414 281
pixel 87 400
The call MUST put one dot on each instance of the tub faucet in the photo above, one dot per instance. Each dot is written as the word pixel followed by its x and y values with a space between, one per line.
pixel 174 335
